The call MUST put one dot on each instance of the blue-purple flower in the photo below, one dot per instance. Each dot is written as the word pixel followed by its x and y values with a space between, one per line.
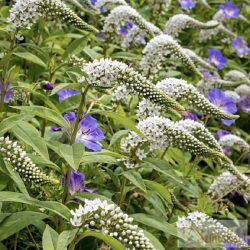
pixel 225 103
pixel 208 74
pixel 8 92
pixel 219 134
pixel 88 132
pixel 191 116
pixel 77 184
pixel 217 58
pixel 48 86
pixel 186 4
pixel 230 10
pixel 123 31
pixel 66 93
pixel 244 104
pixel 240 47
pixel 248 159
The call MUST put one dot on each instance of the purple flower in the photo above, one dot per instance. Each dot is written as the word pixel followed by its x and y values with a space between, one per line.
pixel 93 2
pixel 8 93
pixel 225 103
pixel 244 104
pixel 88 132
pixel 208 74
pixel 66 93
pixel 53 129
pixel 227 151
pixel 76 184
pixel 221 133
pixel 123 31
pixel 48 86
pixel 186 4
pixel 216 58
pixel 240 47
pixel 230 10
pixel 191 116
pixel 248 159
pixel 142 40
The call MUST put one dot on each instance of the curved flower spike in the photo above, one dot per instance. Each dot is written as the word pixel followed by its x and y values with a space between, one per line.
pixel 107 73
pixel 120 15
pixel 243 89
pixel 160 47
pixel 25 13
pixel 207 226
pixel 110 220
pixel 236 75
pixel 227 183
pixel 200 132
pixel 232 140
pixel 159 6
pixel 181 21
pixel 197 59
pixel 180 89
pixel 13 154
pixel 104 5
pixel 162 133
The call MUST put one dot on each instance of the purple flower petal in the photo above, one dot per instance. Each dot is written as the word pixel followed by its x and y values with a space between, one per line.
pixel 248 159
pixel 123 31
pixel 87 190
pixel 216 58
pixel 55 129
pixel 240 47
pixel 221 133
pixel 129 25
pixel 95 135
pixel 244 104
pixel 66 93
pixel 227 122
pixel 92 145
pixel 230 10
pixel 8 93
pixel 227 151
pixel 186 4
pixel 48 86
pixel 70 117
pixel 88 123
pixel 191 116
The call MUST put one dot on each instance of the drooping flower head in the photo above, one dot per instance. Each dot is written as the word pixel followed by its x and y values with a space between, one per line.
pixel 88 132
pixel 220 100
pixel 66 93
pixel 230 10
pixel 217 58
pixel 77 183
pixel 244 104
pixel 240 47
pixel 186 4
pixel 8 92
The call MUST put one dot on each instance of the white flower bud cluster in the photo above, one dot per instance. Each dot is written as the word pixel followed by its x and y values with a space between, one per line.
pixel 159 6
pixel 76 61
pixel 158 49
pixel 13 154
pixel 25 13
pixel 243 89
pixel 200 132
pixel 110 220
pixel 108 4
pixel 197 59
pixel 120 94
pixel 146 108
pixel 181 90
pixel 233 140
pixel 106 73
pixel 227 183
pixel 135 147
pixel 120 15
pixel 236 75
pixel 182 21
pixel 162 133
pixel 207 226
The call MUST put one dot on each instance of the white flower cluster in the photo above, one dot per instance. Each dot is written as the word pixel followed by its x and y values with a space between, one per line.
pixel 200 132
pixel 197 59
pixel 182 21
pixel 135 147
pixel 227 183
pixel 159 6
pixel 110 220
pixel 236 75
pixel 106 73
pixel 13 154
pixel 122 14
pixel 108 4
pixel 243 89
pixel 120 94
pixel 209 228
pixel 233 140
pixel 158 49
pixel 181 90
pixel 25 13
pixel 146 108
pixel 162 133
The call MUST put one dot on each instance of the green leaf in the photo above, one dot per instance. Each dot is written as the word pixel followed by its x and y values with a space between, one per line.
pixel 72 154
pixel 53 206
pixel 154 223
pixel 50 237
pixel 113 243
pixel 18 221
pixel 30 135
pixel 104 156
pixel 61 86
pixel 65 238
pixel 45 113
pixel 154 241
pixel 31 58
pixel 135 178
pixel 159 189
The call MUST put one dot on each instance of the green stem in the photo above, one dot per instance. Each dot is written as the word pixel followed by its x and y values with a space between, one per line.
pixel 163 154
pixel 124 182
pixel 32 238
